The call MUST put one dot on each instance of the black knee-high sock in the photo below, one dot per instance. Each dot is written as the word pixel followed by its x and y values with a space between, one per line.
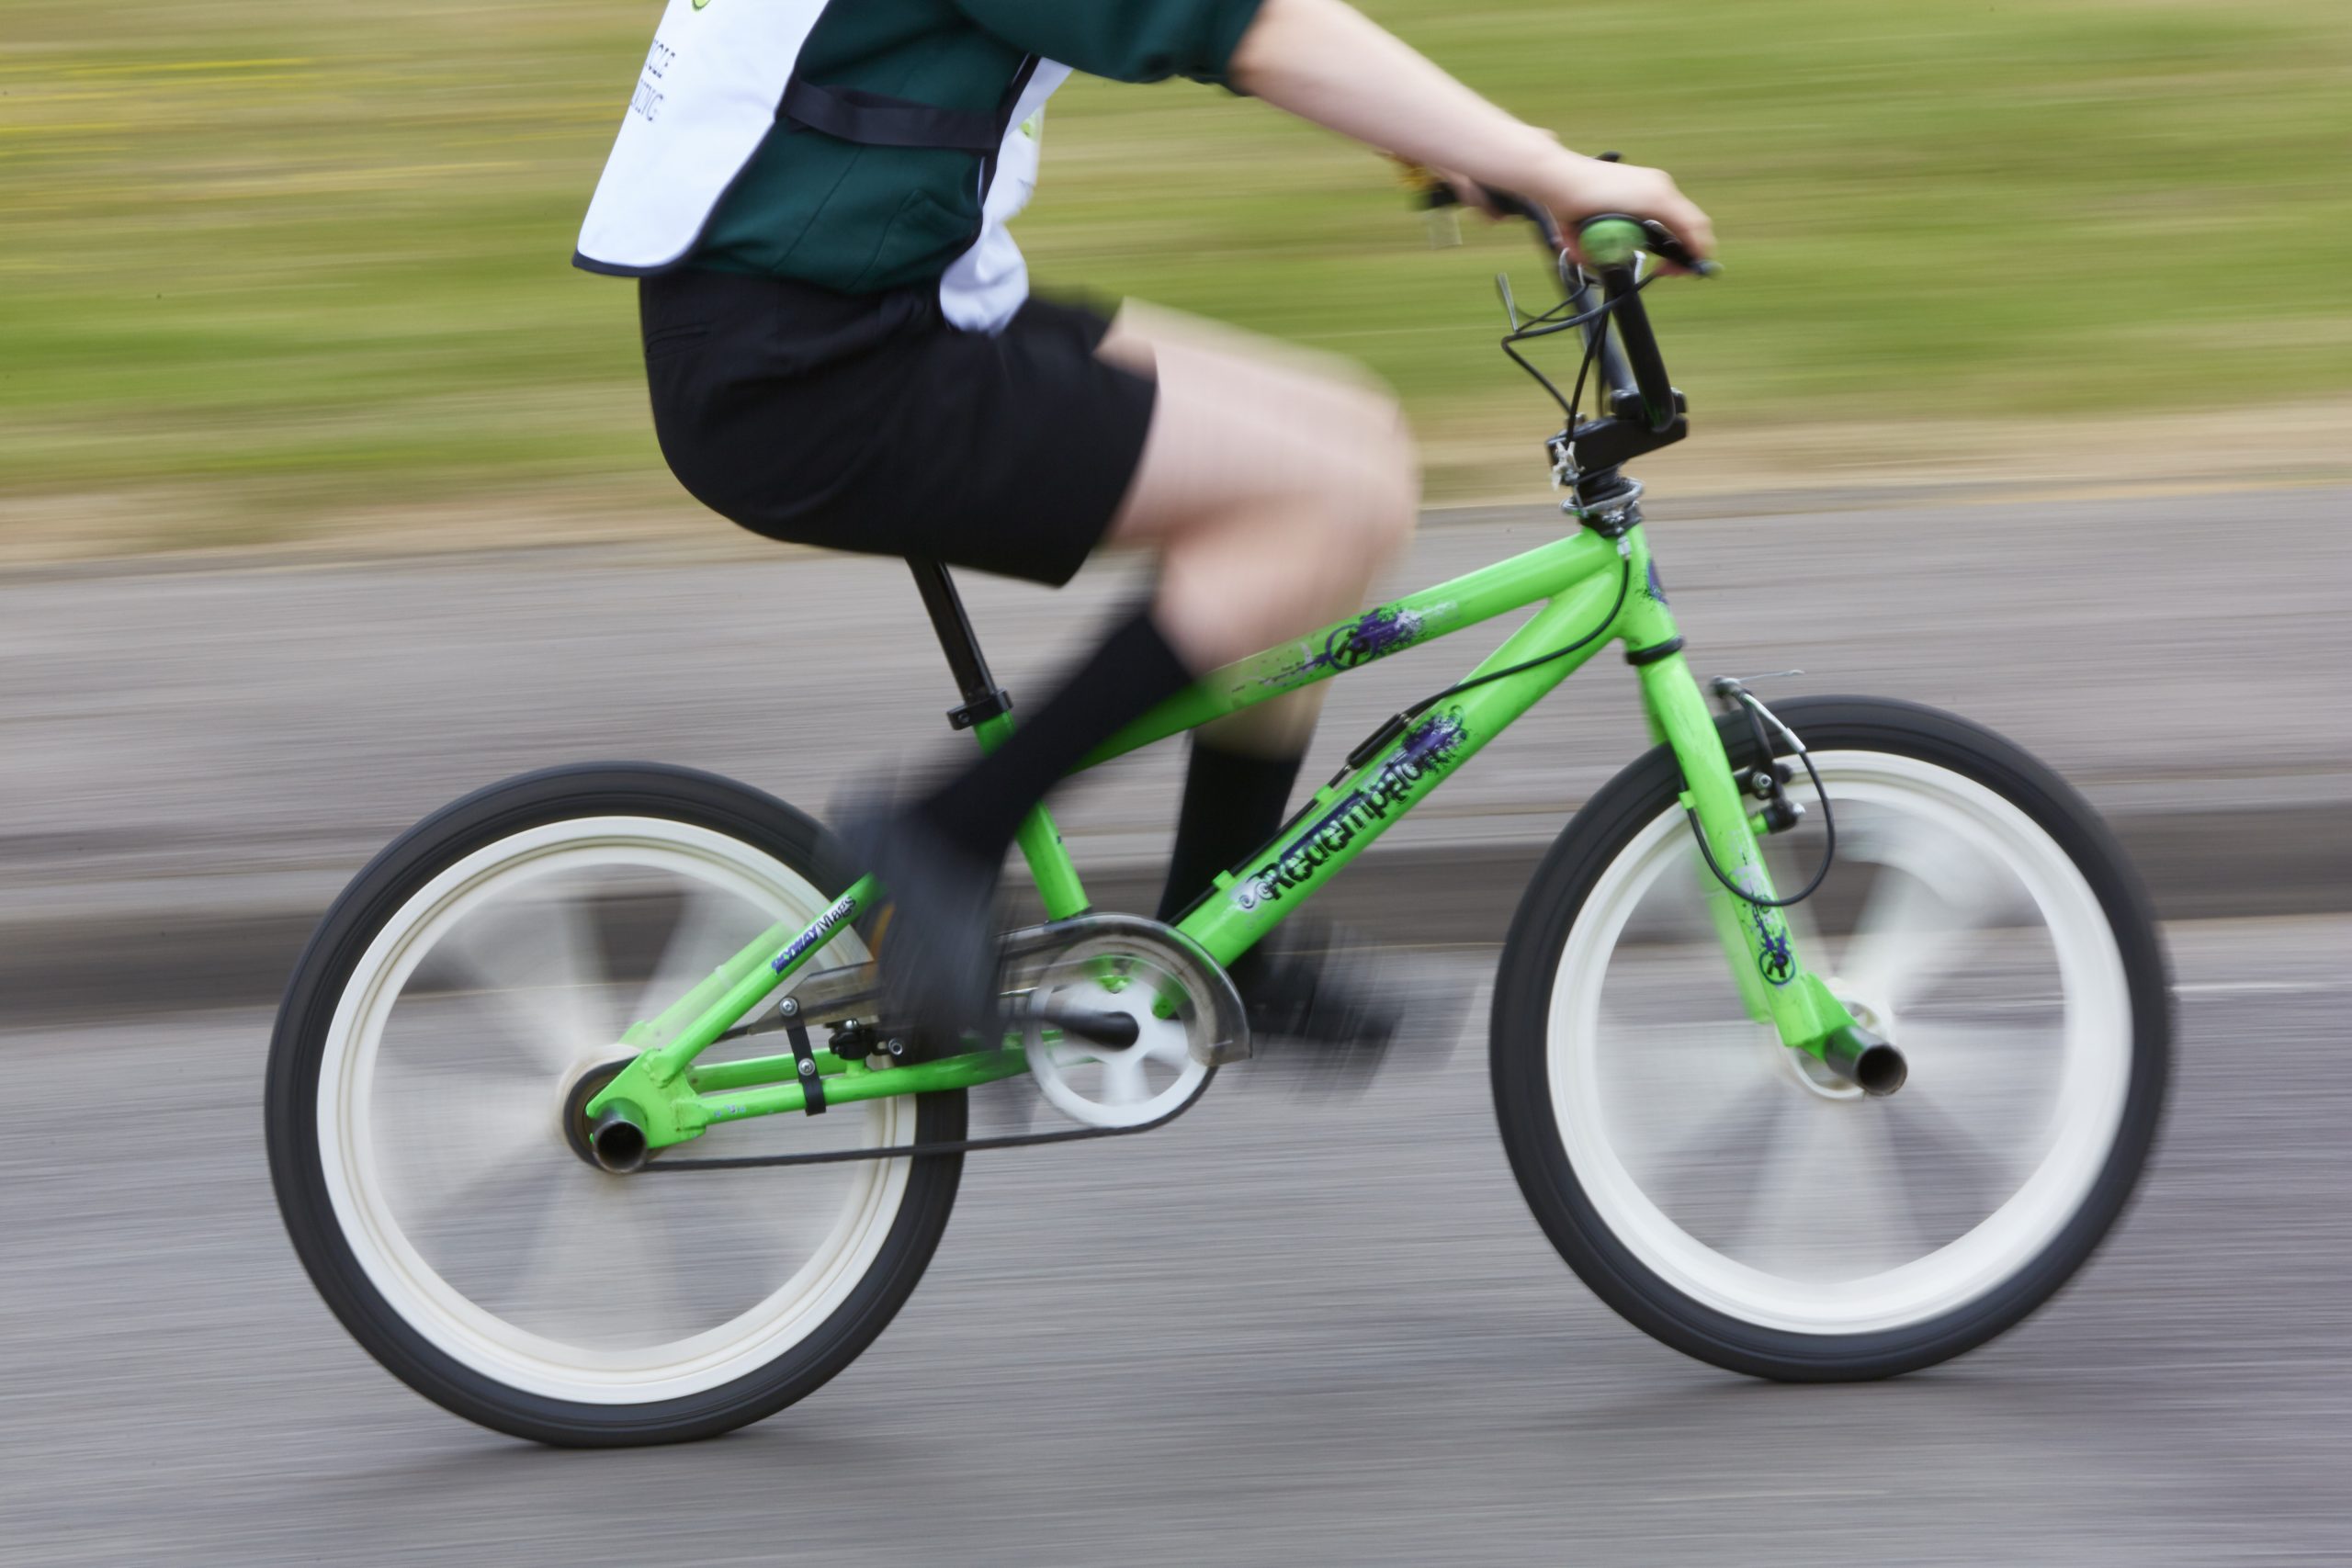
pixel 1133 671
pixel 1232 803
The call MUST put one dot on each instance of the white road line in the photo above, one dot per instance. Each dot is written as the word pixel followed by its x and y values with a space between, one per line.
pixel 2260 987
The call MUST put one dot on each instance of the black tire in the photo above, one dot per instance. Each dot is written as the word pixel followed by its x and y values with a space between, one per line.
pixel 290 1118
pixel 1531 1136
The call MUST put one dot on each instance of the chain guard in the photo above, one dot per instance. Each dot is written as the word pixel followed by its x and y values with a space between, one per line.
pixel 1217 1030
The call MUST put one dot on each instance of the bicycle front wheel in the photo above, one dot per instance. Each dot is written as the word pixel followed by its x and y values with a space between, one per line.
pixel 1732 1198
pixel 461 1003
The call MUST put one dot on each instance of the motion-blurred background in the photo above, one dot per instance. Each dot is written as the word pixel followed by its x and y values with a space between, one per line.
pixel 274 272
pixel 327 492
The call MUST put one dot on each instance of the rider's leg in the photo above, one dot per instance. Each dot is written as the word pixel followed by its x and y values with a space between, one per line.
pixel 1243 767
pixel 1270 497
pixel 1272 489
pixel 1235 796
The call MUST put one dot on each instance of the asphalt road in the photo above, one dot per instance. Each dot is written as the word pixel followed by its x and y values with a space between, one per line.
pixel 1282 1330
pixel 195 755
pixel 249 718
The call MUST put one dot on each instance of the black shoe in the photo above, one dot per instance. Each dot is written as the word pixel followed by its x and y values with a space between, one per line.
pixel 1316 990
pixel 938 956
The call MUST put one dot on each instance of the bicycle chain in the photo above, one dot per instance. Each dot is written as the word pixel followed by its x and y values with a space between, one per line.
pixel 937 1146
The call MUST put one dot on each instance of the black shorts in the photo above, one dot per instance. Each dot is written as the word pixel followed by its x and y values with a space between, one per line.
pixel 869 423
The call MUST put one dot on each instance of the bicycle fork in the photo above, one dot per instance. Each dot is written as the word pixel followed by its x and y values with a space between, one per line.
pixel 1774 979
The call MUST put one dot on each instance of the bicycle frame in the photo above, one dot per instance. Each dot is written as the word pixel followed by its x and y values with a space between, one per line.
pixel 1602 590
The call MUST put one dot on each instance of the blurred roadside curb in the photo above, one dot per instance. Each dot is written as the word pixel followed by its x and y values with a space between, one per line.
pixel 691 538
pixel 118 948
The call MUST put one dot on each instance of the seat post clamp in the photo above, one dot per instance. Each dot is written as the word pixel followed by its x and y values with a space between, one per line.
pixel 980 709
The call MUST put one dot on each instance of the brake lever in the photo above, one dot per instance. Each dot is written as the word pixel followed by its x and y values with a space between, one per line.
pixel 1664 245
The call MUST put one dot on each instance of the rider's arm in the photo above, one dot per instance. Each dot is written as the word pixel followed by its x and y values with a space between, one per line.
pixel 1126 40
pixel 1325 62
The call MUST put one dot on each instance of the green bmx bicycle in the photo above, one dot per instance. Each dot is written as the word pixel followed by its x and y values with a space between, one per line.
pixel 583 1117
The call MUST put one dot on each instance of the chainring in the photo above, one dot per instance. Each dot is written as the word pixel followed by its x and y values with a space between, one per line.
pixel 1186 1015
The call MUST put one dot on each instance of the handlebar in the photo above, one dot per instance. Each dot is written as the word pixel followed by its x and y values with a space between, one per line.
pixel 1611 244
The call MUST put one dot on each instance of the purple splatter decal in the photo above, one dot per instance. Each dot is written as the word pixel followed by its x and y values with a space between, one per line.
pixel 1434 740
pixel 1774 960
pixel 1375 634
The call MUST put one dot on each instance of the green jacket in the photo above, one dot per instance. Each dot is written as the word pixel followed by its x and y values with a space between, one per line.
pixel 861 218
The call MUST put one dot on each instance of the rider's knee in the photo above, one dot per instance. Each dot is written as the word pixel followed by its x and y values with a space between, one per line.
pixel 1387 500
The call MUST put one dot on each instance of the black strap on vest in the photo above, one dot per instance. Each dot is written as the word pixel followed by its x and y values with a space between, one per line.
pixel 877 119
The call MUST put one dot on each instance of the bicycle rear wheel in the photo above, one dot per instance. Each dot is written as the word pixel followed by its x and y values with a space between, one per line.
pixel 435 1045
pixel 1729 1197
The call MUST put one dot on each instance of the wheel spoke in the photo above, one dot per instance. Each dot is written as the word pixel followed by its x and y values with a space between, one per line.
pixel 1686 986
pixel 1168 1047
pixel 1922 919
pixel 442 1140
pixel 1822 1211
pixel 1624 1034
pixel 1673 912
pixel 1956 1057
pixel 536 961
pixel 709 930
pixel 745 1234
pixel 1679 1074
pixel 457 1036
pixel 604 1270
pixel 1123 1078
pixel 1884 1219
pixel 1711 1171
pixel 1756 1224
pixel 1945 1168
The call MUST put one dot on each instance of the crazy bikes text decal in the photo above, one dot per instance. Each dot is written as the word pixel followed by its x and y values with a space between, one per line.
pixel 827 923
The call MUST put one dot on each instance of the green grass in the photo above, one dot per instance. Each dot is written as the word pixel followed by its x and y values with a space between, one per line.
pixel 302 259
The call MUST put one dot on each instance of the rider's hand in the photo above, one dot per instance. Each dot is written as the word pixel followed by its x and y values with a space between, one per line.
pixel 1573 187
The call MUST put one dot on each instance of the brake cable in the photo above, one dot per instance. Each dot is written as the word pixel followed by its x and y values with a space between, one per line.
pixel 1546 326
pixel 1395 724
pixel 1543 325
pixel 1757 714
pixel 1550 323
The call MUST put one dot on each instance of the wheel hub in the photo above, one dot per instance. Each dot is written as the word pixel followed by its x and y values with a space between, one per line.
pixel 578 1132
pixel 1811 1070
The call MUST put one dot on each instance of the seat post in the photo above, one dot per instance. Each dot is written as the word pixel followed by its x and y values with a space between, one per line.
pixel 983 698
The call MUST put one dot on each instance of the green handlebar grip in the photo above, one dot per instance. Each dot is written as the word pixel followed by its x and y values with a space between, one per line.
pixel 1612 242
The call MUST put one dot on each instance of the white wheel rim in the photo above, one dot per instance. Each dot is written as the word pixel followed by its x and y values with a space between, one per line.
pixel 1970 873
pixel 656 1336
